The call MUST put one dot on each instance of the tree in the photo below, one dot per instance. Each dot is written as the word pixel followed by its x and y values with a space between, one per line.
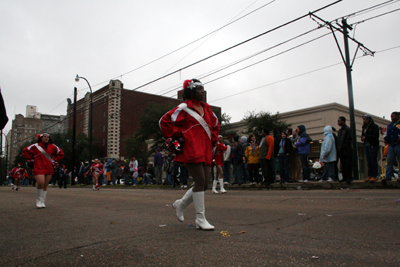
pixel 148 129
pixel 255 122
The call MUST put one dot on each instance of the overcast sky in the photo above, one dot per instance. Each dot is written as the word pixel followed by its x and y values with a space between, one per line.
pixel 44 44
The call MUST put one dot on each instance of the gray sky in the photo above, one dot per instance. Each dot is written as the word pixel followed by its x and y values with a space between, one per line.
pixel 44 44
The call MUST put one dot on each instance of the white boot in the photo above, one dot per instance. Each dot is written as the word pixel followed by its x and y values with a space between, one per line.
pixel 39 198
pixel 201 222
pixel 214 188
pixel 182 203
pixel 221 186
pixel 43 198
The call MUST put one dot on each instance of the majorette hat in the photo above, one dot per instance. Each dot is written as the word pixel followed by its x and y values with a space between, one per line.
pixel 191 84
pixel 41 135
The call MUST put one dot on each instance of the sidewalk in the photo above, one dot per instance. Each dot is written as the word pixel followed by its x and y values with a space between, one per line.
pixel 360 184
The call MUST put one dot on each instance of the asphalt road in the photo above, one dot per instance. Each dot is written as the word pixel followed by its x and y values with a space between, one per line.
pixel 81 227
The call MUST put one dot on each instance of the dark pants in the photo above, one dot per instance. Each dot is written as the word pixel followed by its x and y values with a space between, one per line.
pixel 238 173
pixel 284 167
pixel 245 172
pixel 227 171
pixel 304 165
pixel 266 168
pixel 346 160
pixel 329 170
pixel 62 180
pixel 371 153
pixel 253 172
pixel 184 175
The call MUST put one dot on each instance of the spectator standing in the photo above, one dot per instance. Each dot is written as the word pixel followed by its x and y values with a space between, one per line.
pixel 227 163
pixel 266 156
pixel 81 173
pixel 237 161
pixel 87 174
pixel 113 171
pixel 335 165
pixel 370 137
pixel 149 174
pixel 393 140
pixel 126 174
pixel 253 160
pixel 184 176
pixel 133 164
pixel 328 155
pixel 135 176
pixel 295 162
pixel 63 177
pixel 158 164
pixel 303 148
pixel 108 171
pixel 120 173
pixel 344 150
pixel 285 148
pixel 245 144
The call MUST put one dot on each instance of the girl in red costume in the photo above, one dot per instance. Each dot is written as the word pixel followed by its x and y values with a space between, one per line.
pixel 18 174
pixel 195 123
pixel 44 154
pixel 219 161
pixel 96 170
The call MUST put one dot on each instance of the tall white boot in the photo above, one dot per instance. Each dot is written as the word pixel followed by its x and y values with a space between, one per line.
pixel 43 198
pixel 182 203
pixel 221 186
pixel 39 198
pixel 201 222
pixel 214 188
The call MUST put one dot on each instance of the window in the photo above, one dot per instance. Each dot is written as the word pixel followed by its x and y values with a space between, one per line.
pixel 104 114
pixel 104 129
pixel 104 141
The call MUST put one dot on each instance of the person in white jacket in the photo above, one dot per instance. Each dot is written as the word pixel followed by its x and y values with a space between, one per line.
pixel 328 155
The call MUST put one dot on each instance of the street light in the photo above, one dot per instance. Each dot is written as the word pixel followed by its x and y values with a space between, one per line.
pixel 91 116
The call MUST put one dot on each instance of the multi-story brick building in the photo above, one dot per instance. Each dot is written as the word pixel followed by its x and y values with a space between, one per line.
pixel 23 129
pixel 116 115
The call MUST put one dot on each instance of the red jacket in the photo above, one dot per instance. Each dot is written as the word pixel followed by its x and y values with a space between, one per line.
pixel 42 164
pixel 17 172
pixel 198 146
pixel 219 154
pixel 97 168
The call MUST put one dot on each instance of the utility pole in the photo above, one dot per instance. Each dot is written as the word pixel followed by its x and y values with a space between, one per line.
pixel 345 26
pixel 349 67
pixel 73 134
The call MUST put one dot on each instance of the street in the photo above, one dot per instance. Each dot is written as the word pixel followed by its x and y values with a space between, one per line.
pixel 138 227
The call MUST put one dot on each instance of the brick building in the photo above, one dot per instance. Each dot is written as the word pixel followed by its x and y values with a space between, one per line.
pixel 116 115
pixel 26 128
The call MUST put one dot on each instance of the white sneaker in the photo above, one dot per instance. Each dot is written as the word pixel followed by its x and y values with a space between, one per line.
pixel 306 181
pixel 226 183
pixel 330 180
pixel 104 184
pixel 185 186
pixel 301 181
pixel 321 181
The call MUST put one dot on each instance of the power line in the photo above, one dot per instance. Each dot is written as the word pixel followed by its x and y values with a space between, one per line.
pixel 218 53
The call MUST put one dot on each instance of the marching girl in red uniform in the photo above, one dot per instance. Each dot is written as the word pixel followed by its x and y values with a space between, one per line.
pixel 195 123
pixel 96 170
pixel 219 162
pixel 17 174
pixel 44 153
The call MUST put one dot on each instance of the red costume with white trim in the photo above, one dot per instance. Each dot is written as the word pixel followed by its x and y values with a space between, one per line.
pixel 97 168
pixel 18 173
pixel 198 146
pixel 42 164
pixel 219 154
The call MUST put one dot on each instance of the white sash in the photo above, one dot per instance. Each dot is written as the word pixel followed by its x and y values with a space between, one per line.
pixel 44 152
pixel 197 117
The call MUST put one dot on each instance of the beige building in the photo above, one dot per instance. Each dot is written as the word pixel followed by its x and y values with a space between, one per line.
pixel 315 119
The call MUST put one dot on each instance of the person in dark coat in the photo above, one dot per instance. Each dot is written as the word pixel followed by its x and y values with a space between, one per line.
pixel 345 150
pixel 370 138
